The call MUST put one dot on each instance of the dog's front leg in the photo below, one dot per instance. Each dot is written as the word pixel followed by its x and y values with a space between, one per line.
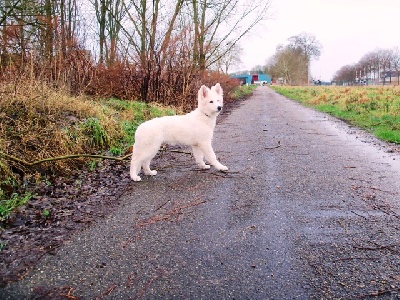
pixel 212 158
pixel 199 157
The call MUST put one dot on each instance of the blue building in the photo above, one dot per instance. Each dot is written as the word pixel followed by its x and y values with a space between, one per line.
pixel 253 78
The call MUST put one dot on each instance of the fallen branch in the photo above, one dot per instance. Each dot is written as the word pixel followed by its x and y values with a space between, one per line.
pixel 378 247
pixel 168 215
pixel 30 164
pixel 223 174
pixel 378 293
pixel 365 218
pixel 353 258
pixel 107 292
pixel 180 151
pixel 277 146
pixel 68 295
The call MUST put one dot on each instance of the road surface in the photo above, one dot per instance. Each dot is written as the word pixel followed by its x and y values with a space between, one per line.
pixel 310 209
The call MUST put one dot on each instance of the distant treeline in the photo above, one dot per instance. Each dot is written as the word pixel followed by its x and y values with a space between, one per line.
pixel 376 67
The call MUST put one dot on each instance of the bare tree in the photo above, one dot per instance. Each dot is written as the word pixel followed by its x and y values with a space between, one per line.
pixel 149 34
pixel 69 26
pixel 288 64
pixel 101 7
pixel 115 15
pixel 229 59
pixel 221 24
pixel 109 16
pixel 370 64
pixel 385 58
pixel 395 62
pixel 345 75
pixel 310 47
pixel 19 20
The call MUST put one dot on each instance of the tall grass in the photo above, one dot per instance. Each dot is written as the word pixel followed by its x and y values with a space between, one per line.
pixel 375 109
pixel 38 122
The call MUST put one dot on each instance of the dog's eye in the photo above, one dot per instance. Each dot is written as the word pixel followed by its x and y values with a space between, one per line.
pixel 211 101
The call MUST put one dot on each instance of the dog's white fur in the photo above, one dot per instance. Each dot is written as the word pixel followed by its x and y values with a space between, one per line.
pixel 194 129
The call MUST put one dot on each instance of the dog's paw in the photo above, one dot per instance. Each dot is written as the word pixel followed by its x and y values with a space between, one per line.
pixel 223 168
pixel 151 173
pixel 204 166
pixel 136 178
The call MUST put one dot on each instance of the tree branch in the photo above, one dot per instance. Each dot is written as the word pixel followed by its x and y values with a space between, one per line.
pixel 30 164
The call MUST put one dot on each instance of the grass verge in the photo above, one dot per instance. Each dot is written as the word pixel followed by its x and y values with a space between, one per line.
pixel 375 109
pixel 242 91
pixel 38 122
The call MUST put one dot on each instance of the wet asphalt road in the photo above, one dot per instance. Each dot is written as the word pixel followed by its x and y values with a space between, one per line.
pixel 314 217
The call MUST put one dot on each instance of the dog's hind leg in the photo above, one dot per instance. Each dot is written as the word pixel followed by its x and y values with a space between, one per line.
pixel 147 157
pixel 212 158
pixel 199 157
pixel 135 169
pixel 146 168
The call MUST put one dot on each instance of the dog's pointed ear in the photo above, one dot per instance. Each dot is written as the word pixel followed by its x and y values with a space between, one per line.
pixel 203 92
pixel 218 89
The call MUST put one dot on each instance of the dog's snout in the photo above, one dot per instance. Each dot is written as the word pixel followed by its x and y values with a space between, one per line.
pixel 219 108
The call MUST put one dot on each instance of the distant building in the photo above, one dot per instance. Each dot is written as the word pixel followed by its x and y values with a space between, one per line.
pixel 253 78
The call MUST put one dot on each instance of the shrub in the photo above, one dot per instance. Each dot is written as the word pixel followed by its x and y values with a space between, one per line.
pixel 97 136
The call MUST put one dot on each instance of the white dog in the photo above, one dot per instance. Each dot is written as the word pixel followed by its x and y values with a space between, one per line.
pixel 194 129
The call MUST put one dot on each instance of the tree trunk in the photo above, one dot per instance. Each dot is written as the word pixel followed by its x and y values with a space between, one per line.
pixel 196 31
pixel 202 54
pixel 167 38
pixel 101 12
pixel 48 31
pixel 63 31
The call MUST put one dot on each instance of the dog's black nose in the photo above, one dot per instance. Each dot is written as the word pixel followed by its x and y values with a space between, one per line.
pixel 219 108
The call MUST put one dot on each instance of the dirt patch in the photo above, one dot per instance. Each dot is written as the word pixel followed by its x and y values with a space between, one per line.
pixel 56 211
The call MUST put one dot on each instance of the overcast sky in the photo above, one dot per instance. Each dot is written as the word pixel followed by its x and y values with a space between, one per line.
pixel 347 29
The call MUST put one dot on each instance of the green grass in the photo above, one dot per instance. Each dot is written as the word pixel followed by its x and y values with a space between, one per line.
pixel 10 200
pixel 95 132
pixel 9 204
pixel 131 115
pixel 3 244
pixel 375 109
pixel 242 91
